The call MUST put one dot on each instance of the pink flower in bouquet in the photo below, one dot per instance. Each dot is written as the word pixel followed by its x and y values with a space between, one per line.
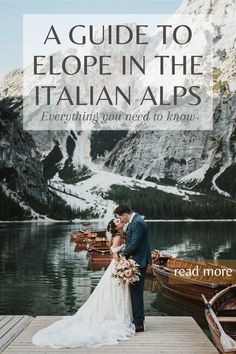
pixel 128 273
pixel 127 264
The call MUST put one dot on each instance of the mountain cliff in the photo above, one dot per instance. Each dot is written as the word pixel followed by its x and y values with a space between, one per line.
pixel 204 159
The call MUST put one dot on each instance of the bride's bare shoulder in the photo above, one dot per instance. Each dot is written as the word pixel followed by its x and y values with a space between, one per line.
pixel 117 239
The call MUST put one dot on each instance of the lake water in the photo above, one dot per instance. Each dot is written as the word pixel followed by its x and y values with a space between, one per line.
pixel 40 274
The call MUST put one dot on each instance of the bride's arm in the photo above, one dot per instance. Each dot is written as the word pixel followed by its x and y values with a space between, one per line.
pixel 116 240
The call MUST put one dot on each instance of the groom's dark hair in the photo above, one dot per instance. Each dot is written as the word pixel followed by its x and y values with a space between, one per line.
pixel 123 209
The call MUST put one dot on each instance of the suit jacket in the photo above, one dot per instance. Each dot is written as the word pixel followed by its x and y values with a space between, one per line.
pixel 137 244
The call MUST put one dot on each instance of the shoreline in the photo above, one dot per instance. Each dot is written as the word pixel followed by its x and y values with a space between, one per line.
pixel 77 221
pixel 191 220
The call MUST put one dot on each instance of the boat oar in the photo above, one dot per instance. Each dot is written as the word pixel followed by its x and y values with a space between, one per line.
pixel 226 341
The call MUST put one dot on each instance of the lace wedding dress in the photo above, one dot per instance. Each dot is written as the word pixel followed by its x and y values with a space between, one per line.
pixel 104 319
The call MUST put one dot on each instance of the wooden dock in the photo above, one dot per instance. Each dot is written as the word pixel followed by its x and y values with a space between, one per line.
pixel 11 327
pixel 163 335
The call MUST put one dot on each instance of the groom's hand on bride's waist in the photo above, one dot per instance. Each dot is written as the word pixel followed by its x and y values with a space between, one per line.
pixel 126 255
pixel 123 253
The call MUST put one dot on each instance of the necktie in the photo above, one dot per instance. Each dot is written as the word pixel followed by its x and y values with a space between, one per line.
pixel 126 231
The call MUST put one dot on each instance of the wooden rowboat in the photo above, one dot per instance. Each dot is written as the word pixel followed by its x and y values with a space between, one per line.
pixel 82 242
pixel 100 233
pixel 74 235
pixel 99 253
pixel 154 256
pixel 224 306
pixel 82 238
pixel 98 262
pixel 77 234
pixel 191 287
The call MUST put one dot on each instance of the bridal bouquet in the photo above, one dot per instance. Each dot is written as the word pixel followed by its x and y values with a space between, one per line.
pixel 126 271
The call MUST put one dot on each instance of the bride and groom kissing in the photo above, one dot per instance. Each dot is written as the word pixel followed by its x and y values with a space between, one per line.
pixel 112 312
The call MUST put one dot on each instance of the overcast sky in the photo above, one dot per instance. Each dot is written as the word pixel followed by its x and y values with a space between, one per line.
pixel 11 13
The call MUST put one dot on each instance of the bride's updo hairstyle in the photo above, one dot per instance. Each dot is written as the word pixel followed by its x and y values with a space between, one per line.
pixel 111 229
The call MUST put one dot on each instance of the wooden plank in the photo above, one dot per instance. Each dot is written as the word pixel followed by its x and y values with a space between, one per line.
pixel 226 319
pixel 11 327
pixel 5 320
pixel 165 335
pixel 9 323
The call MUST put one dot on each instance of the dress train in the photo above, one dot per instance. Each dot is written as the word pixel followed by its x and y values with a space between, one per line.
pixel 104 319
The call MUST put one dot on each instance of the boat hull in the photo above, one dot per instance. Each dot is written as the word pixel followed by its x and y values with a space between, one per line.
pixel 99 253
pixel 183 288
pixel 100 256
pixel 224 306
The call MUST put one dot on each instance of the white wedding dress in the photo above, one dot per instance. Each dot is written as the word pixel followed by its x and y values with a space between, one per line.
pixel 104 319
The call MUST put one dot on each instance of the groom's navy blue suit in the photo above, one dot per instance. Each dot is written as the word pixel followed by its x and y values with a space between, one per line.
pixel 137 247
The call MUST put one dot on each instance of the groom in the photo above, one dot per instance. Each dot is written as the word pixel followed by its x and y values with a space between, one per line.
pixel 137 247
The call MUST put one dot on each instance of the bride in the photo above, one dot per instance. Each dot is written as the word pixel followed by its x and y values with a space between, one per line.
pixel 104 319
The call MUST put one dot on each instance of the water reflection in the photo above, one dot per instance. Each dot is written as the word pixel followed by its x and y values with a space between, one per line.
pixel 42 275
pixel 207 240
